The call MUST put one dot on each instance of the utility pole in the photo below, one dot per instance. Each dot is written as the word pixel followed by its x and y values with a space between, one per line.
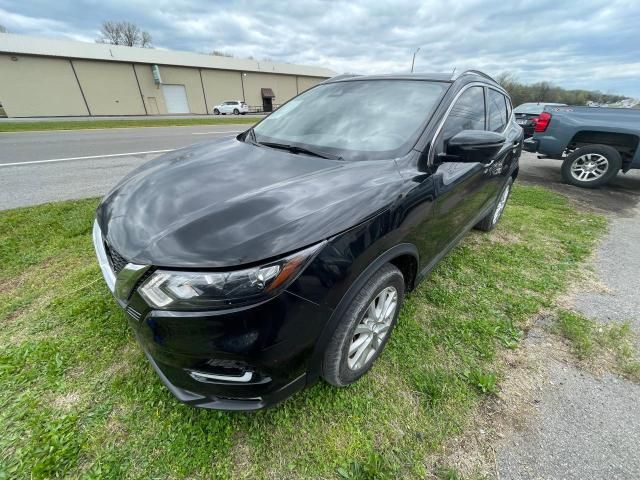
pixel 414 58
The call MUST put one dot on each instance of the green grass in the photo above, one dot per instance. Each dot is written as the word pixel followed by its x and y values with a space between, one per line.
pixel 92 124
pixel 78 398
pixel 612 344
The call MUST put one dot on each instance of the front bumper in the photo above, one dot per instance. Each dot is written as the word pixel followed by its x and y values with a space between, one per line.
pixel 235 359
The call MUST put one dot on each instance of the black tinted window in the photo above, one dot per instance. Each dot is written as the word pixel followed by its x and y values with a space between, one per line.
pixel 466 114
pixel 497 111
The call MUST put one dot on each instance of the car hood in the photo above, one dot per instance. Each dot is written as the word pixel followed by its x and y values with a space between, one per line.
pixel 227 203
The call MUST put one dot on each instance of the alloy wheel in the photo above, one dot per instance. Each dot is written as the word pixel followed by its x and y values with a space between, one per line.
pixel 589 167
pixel 373 328
pixel 501 204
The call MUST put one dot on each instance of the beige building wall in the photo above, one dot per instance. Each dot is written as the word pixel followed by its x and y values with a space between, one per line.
pixel 190 78
pixel 283 86
pixel 110 88
pixel 221 85
pixel 39 86
pixel 152 93
pixel 305 83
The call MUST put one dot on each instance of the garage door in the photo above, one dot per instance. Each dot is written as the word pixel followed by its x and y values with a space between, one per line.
pixel 175 96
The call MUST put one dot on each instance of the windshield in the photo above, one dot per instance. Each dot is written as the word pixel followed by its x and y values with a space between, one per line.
pixel 364 119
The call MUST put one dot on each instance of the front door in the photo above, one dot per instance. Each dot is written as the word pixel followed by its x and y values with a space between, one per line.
pixel 448 198
pixel 462 189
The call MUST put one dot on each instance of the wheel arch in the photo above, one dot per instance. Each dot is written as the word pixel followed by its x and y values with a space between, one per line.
pixel 625 143
pixel 404 256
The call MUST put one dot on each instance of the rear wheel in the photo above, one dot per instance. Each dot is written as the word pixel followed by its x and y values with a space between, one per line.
pixel 236 111
pixel 365 327
pixel 489 222
pixel 591 166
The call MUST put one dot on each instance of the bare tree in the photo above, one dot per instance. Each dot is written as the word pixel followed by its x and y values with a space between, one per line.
pixel 3 29
pixel 219 53
pixel 124 33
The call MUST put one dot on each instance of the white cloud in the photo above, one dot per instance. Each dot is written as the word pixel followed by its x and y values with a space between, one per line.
pixel 592 44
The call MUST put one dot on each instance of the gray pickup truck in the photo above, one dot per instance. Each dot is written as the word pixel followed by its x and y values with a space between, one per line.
pixel 593 143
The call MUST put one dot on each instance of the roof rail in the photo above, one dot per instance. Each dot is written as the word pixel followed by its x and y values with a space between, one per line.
pixel 474 72
pixel 341 77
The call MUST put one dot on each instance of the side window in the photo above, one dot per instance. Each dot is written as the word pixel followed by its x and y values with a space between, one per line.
pixel 466 114
pixel 497 111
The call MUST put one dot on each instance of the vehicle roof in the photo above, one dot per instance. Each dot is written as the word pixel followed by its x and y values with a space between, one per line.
pixel 434 77
pixel 439 77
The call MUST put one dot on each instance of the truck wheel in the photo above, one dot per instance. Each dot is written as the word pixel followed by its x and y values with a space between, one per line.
pixel 591 166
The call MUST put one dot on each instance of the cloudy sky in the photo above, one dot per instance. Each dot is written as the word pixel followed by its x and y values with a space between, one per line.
pixel 589 44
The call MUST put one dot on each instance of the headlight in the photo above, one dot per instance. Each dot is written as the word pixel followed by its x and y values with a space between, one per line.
pixel 167 289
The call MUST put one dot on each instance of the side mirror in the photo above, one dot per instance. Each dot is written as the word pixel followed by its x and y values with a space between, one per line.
pixel 473 146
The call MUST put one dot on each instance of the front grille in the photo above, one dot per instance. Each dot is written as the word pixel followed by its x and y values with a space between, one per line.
pixel 115 259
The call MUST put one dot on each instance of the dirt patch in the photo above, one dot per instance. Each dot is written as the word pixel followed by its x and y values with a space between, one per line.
pixel 67 401
pixel 473 454
pixel 619 197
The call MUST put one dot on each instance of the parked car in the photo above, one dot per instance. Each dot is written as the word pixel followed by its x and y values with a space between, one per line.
pixel 236 107
pixel 252 266
pixel 527 115
pixel 594 144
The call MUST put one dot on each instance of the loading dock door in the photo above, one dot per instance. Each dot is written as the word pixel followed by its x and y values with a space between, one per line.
pixel 175 96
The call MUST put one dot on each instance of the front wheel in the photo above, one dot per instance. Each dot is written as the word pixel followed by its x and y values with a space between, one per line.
pixel 489 222
pixel 365 327
pixel 591 166
pixel 216 111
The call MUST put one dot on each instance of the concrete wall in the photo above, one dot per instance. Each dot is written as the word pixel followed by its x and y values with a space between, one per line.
pixel 45 86
pixel 283 86
pixel 152 93
pixel 110 88
pixel 221 85
pixel 305 83
pixel 38 86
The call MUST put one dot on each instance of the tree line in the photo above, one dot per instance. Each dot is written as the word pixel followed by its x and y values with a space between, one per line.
pixel 548 92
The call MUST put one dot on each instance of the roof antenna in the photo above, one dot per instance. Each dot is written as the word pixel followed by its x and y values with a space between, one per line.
pixel 453 72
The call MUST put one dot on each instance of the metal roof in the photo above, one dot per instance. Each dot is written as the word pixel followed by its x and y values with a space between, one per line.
pixel 27 45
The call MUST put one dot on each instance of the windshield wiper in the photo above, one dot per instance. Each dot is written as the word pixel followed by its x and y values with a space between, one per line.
pixel 300 149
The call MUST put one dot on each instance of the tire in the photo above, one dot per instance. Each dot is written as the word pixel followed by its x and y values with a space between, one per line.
pixel 489 222
pixel 236 111
pixel 596 163
pixel 216 111
pixel 341 369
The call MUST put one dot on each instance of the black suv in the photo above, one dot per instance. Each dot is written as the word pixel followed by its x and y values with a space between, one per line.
pixel 251 266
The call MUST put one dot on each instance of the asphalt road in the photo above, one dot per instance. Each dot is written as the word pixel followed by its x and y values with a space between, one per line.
pixel 41 167
pixel 65 144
